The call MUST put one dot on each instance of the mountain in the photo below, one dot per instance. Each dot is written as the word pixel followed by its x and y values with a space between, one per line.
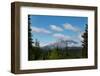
pixel 61 44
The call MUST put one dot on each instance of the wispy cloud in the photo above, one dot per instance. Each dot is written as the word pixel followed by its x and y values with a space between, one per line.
pixel 40 30
pixel 61 36
pixel 56 28
pixel 68 26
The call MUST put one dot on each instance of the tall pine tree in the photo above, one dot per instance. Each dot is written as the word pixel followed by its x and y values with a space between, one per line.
pixel 30 41
pixel 85 42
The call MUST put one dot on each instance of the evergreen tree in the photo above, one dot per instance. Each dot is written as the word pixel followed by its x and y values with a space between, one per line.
pixel 85 42
pixel 37 51
pixel 66 48
pixel 37 44
pixel 30 41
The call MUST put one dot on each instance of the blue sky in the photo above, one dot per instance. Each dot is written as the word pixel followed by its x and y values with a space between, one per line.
pixel 49 29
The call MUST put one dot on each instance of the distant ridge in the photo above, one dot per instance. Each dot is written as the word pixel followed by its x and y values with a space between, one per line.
pixel 61 44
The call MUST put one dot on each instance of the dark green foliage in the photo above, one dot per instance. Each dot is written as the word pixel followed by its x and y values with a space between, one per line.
pixel 85 42
pixel 29 33
pixel 33 51
pixel 30 41
pixel 37 53
pixel 56 53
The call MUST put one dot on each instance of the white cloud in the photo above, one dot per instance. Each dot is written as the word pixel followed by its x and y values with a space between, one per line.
pixel 61 36
pixel 56 28
pixel 40 30
pixel 80 36
pixel 68 26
